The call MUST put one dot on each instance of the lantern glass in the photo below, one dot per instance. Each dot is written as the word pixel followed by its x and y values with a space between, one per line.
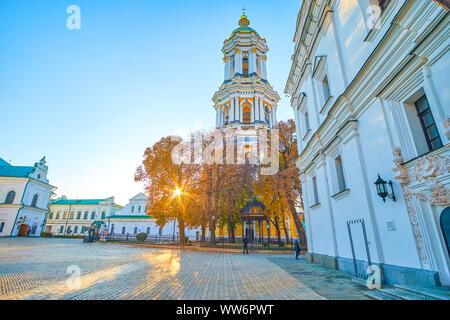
pixel 381 187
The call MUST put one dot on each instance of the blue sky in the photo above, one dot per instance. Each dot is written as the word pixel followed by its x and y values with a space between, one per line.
pixel 92 100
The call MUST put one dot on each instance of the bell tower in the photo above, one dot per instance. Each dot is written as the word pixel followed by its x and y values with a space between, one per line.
pixel 245 100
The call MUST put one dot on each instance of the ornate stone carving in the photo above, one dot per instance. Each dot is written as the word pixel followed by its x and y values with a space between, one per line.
pixel 401 173
pixel 418 238
pixel 437 194
pixel 427 169
pixel 447 127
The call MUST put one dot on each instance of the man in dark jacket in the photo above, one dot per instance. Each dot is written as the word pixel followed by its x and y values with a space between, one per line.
pixel 297 248
pixel 245 240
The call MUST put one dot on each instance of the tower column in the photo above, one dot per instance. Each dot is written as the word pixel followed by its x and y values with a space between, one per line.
pixel 252 62
pixel 217 118
pixel 261 110
pixel 232 110
pixel 252 118
pixel 263 68
pixel 239 108
pixel 227 68
pixel 274 117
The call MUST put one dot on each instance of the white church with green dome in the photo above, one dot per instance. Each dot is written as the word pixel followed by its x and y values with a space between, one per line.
pixel 24 199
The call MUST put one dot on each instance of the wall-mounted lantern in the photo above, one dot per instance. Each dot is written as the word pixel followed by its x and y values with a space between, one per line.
pixel 382 189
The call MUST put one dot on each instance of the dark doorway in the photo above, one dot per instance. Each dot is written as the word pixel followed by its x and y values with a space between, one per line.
pixel 23 230
pixel 445 226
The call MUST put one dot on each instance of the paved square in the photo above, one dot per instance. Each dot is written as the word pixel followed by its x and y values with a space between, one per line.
pixel 38 269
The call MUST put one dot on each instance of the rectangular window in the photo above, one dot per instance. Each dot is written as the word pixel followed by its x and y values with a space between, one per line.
pixel 315 193
pixel 103 215
pixel 340 174
pixel 50 216
pixel 326 90
pixel 79 215
pixel 61 229
pixel 65 215
pixel 75 230
pixel 428 125
pixel 2 225
pixel 93 215
pixel 83 229
pixel 86 215
pixel 72 215
pixel 123 230
pixel 58 215
pixel 307 127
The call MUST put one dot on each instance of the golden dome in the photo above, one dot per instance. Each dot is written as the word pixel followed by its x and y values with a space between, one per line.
pixel 244 22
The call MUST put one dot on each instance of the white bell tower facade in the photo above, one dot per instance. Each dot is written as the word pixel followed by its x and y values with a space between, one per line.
pixel 245 100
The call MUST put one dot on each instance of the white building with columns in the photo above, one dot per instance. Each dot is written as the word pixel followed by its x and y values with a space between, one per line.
pixel 369 90
pixel 74 217
pixel 245 101
pixel 24 199
pixel 133 219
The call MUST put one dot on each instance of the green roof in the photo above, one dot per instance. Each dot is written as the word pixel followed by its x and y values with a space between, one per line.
pixel 15 171
pixel 76 202
pixel 4 163
pixel 130 217
pixel 245 30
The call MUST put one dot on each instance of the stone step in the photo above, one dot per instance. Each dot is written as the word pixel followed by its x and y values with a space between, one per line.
pixel 427 293
pixel 379 295
pixel 402 295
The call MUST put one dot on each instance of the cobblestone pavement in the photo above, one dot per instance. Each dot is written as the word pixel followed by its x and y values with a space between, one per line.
pixel 37 269
pixel 332 284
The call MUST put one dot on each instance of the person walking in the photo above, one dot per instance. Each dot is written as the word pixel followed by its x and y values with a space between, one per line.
pixel 296 248
pixel 245 240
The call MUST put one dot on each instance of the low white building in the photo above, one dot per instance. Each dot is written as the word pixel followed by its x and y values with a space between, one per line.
pixel 370 94
pixel 24 198
pixel 132 219
pixel 75 216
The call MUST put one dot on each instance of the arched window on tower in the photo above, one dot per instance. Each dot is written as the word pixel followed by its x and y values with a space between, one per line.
pixel 246 112
pixel 10 197
pixel 35 199
pixel 267 114
pixel 245 66
pixel 226 116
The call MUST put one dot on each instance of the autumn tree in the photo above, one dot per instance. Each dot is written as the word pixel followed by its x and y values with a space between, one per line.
pixel 281 192
pixel 168 183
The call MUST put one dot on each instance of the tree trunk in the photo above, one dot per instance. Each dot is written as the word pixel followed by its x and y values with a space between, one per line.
pixel 277 227
pixel 286 233
pixel 212 231
pixel 203 233
pixel 231 225
pixel 298 224
pixel 181 230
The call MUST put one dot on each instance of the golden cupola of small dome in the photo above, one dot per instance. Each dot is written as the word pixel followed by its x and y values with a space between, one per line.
pixel 244 22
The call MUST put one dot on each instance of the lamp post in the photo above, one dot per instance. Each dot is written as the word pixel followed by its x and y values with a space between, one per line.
pixel 382 189
pixel 268 232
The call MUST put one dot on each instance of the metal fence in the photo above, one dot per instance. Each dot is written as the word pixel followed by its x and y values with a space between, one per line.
pixel 155 239
pixel 271 244
pixel 262 244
